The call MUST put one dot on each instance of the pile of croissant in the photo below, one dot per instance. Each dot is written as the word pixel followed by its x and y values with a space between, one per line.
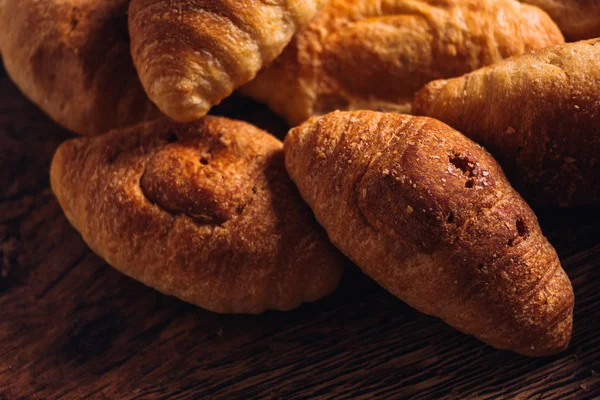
pixel 390 102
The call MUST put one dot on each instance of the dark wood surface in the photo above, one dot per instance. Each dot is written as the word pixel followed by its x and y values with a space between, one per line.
pixel 71 327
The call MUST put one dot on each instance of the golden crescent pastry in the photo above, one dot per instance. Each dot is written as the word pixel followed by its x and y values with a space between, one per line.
pixel 72 59
pixel 429 215
pixel 375 54
pixel 538 114
pixel 191 54
pixel 203 211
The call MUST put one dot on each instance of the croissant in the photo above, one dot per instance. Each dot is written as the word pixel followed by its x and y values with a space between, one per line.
pixel 204 211
pixel 578 19
pixel 538 114
pixel 72 59
pixel 191 54
pixel 429 215
pixel 375 54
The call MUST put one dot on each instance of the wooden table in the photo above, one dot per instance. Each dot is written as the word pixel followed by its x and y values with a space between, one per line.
pixel 71 327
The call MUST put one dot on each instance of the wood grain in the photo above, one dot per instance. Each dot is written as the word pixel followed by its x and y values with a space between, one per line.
pixel 71 327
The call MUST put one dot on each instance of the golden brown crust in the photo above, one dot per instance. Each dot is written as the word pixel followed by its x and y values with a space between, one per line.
pixel 203 211
pixel 191 54
pixel 538 114
pixel 373 54
pixel 577 19
pixel 72 59
pixel 429 215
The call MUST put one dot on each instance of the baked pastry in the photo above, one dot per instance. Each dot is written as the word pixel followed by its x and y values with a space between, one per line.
pixel 204 211
pixel 578 19
pixel 191 54
pixel 429 215
pixel 72 59
pixel 538 114
pixel 373 54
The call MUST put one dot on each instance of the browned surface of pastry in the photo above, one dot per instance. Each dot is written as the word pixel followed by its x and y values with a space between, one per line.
pixel 203 211
pixel 72 59
pixel 429 215
pixel 376 54
pixel 578 19
pixel 191 54
pixel 539 114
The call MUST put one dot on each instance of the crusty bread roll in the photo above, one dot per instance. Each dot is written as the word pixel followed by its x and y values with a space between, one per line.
pixel 204 211
pixel 72 59
pixel 538 114
pixel 578 19
pixel 429 215
pixel 376 54
pixel 191 54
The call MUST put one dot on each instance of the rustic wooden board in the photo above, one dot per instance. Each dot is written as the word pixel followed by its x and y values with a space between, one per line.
pixel 71 327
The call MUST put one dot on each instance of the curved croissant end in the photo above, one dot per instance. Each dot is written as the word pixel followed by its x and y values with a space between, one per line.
pixel 577 19
pixel 429 215
pixel 190 54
